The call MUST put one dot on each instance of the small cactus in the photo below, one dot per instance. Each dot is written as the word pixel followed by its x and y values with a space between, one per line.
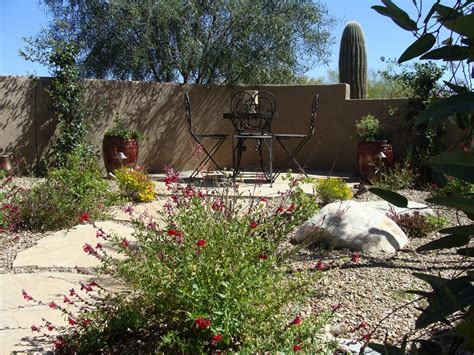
pixel 353 60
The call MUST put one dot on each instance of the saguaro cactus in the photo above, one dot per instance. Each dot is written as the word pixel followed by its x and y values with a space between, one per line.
pixel 353 60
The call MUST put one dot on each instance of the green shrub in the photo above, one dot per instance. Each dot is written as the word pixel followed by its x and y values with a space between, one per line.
pixel 453 187
pixel 402 176
pixel 332 189
pixel 368 129
pixel 215 277
pixel 437 222
pixel 65 194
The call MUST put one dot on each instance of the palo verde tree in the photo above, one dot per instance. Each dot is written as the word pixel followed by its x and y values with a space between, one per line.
pixel 207 42
pixel 450 300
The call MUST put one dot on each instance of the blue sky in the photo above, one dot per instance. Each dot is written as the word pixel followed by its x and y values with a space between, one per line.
pixel 23 18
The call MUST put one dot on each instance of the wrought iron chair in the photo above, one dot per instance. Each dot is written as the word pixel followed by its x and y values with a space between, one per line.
pixel 303 138
pixel 252 114
pixel 217 138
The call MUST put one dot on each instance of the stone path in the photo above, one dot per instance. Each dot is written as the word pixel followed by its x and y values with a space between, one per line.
pixel 63 251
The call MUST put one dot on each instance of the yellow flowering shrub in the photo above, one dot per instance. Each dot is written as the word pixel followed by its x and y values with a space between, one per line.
pixel 136 184
pixel 332 189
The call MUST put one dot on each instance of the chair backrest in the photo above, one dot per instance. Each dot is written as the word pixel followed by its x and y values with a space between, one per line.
pixel 189 119
pixel 253 111
pixel 314 109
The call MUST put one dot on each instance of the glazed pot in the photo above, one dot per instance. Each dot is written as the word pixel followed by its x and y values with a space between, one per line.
pixel 119 152
pixel 5 163
pixel 372 156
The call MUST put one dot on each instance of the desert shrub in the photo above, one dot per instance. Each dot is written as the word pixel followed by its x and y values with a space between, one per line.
pixel 401 176
pixel 332 189
pixel 10 200
pixel 135 184
pixel 437 222
pixel 212 274
pixel 413 225
pixel 66 193
pixel 453 187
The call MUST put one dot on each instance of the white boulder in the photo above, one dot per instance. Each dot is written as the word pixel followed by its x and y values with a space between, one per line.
pixel 353 225
pixel 386 207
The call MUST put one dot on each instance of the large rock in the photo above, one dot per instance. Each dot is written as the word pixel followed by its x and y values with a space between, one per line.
pixel 353 225
pixel 386 207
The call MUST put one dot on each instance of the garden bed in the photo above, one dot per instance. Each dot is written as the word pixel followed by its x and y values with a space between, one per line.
pixel 364 290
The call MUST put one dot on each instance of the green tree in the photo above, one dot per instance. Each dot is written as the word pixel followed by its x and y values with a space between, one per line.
pixel 208 42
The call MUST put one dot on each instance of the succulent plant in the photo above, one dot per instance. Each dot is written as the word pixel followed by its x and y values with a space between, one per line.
pixel 353 60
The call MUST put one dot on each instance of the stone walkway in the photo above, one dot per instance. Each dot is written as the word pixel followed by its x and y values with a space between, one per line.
pixel 62 251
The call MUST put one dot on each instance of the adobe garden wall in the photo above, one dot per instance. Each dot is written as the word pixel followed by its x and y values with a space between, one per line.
pixel 157 109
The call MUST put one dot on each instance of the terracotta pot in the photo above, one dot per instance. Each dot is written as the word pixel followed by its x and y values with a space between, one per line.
pixel 5 163
pixel 119 152
pixel 372 156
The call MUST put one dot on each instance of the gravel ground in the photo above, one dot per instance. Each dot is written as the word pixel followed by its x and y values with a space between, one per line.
pixel 370 289
pixel 365 291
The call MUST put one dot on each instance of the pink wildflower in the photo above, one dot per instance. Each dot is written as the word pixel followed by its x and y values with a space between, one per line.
pixel 216 339
pixel 202 323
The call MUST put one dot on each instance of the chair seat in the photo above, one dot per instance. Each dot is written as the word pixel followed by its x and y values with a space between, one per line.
pixel 212 135
pixel 290 135
pixel 253 135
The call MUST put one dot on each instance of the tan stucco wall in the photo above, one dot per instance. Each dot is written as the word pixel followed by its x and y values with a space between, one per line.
pixel 158 111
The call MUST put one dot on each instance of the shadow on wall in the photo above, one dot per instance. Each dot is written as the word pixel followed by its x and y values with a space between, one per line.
pixel 25 119
pixel 157 110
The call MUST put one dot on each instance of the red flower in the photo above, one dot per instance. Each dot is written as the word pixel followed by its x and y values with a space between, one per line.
pixel 253 225
pixel 201 242
pixel 320 265
pixel 72 321
pixel 296 347
pixel 50 327
pixel 291 209
pixel 355 258
pixel 72 292
pixel 86 322
pixel 84 217
pixel 128 209
pixel 52 305
pixel 59 343
pixel 363 325
pixel 296 321
pixel 176 233
pixel 99 234
pixel 263 199
pixel 34 328
pixel 263 256
pixel 85 287
pixel 202 323
pixel 88 249
pixel 26 296
pixel 125 243
pixel 216 339
pixel 99 246
pixel 336 306
pixel 366 337
pixel 280 209
pixel 67 300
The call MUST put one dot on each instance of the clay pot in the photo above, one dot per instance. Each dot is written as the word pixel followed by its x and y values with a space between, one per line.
pixel 372 156
pixel 5 163
pixel 119 152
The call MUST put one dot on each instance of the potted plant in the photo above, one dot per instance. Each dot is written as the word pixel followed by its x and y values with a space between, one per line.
pixel 120 146
pixel 373 149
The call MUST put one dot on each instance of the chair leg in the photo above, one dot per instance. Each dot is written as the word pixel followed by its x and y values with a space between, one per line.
pixel 237 156
pixel 208 157
pixel 292 154
pixel 269 176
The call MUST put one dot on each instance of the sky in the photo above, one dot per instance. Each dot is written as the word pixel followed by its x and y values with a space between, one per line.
pixel 23 18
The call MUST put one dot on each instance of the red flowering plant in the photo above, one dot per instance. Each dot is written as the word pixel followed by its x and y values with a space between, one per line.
pixel 211 274
pixel 11 197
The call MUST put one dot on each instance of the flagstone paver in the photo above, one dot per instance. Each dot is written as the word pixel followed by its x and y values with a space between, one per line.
pixel 17 315
pixel 65 248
